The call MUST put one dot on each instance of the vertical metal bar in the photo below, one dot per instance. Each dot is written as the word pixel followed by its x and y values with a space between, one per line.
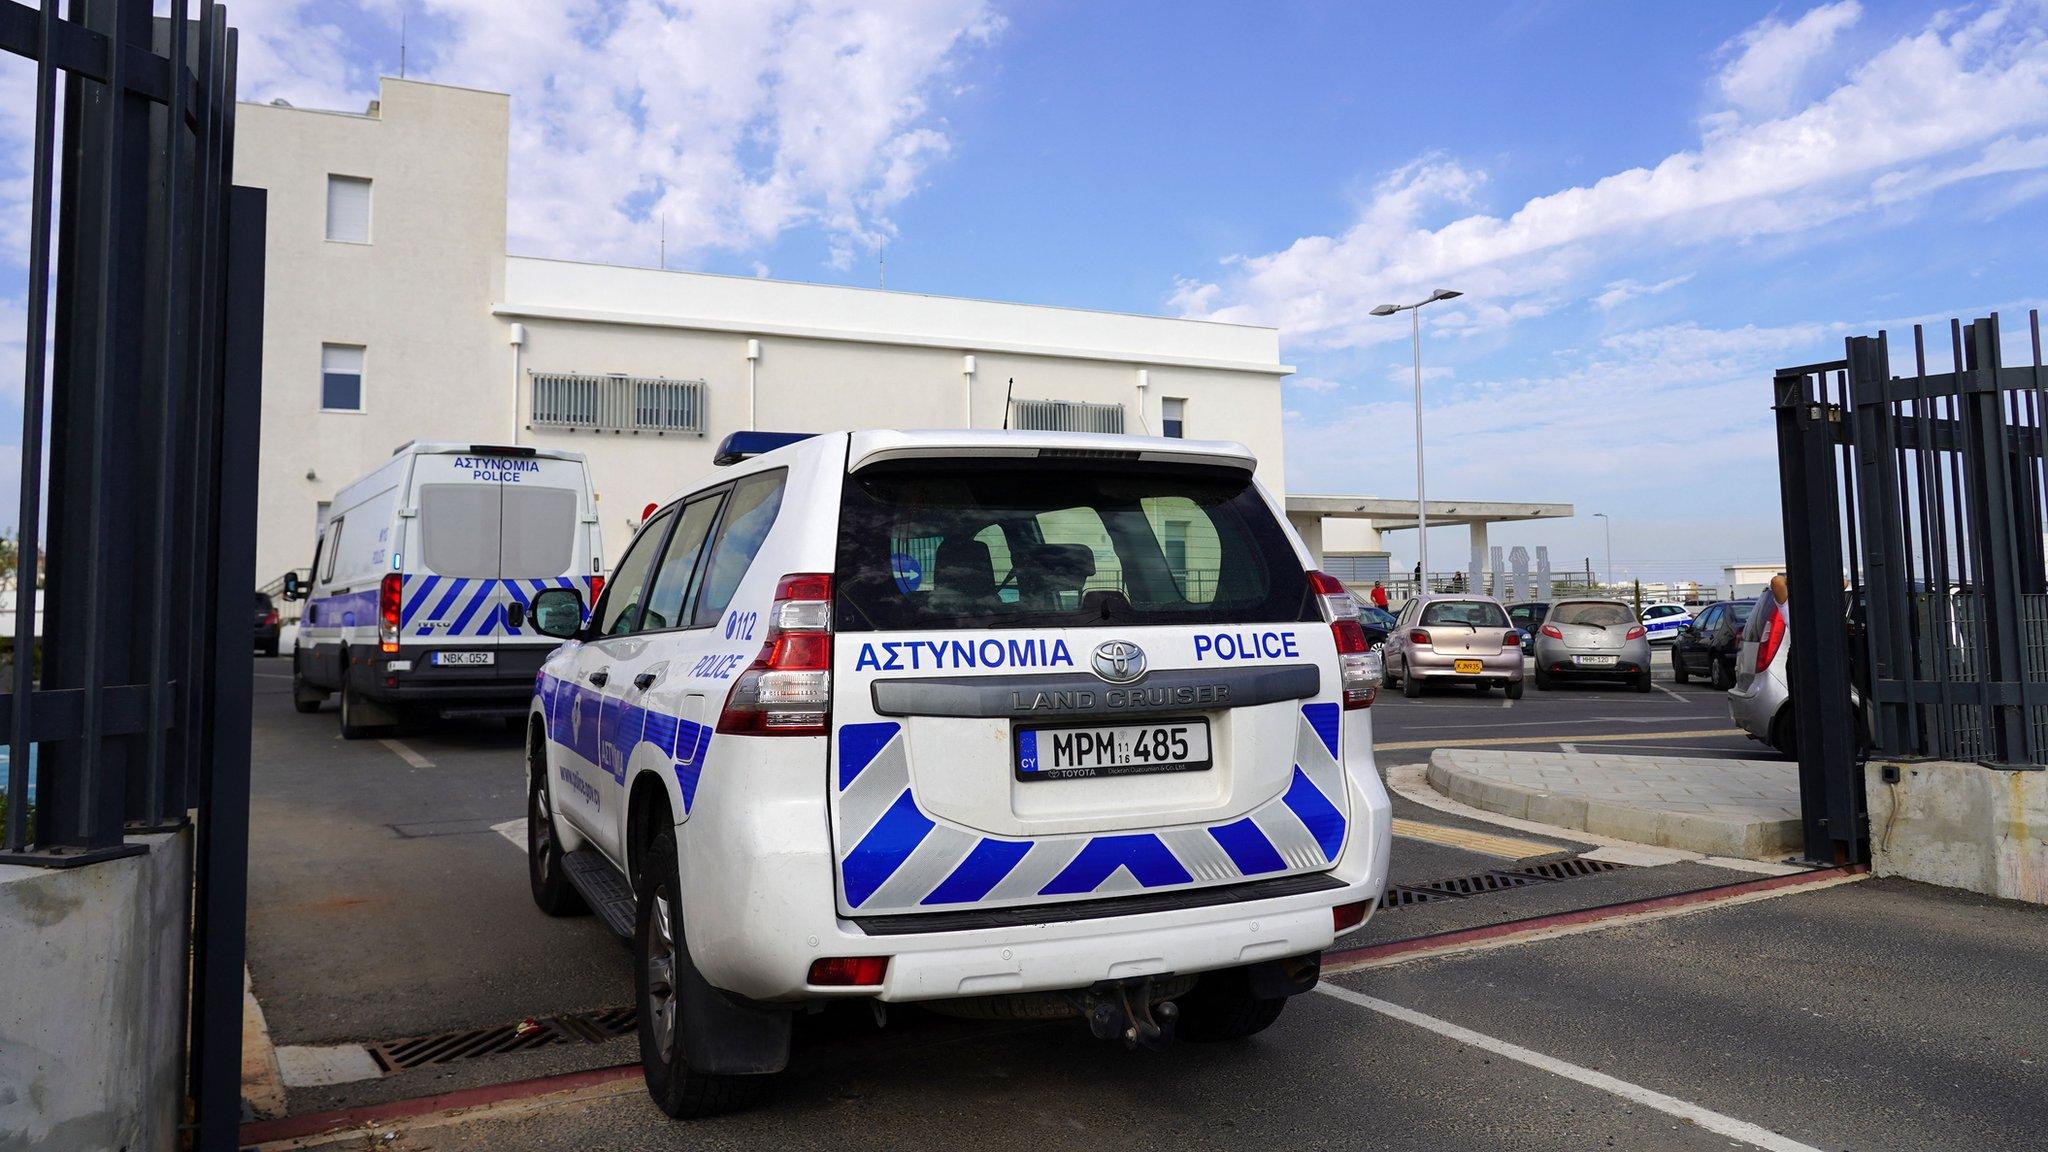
pixel 1996 559
pixel 1942 631
pixel 1883 578
pixel 223 862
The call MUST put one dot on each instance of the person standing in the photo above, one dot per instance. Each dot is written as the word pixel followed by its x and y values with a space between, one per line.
pixel 1379 596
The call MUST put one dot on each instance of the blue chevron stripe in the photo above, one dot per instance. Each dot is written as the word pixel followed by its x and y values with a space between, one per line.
pixel 418 597
pixel 1318 815
pixel 483 593
pixel 1324 718
pixel 984 868
pixel 1247 847
pixel 884 849
pixel 1145 855
pixel 859 744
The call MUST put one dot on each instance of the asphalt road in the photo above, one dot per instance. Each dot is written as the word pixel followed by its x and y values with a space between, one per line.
pixel 383 904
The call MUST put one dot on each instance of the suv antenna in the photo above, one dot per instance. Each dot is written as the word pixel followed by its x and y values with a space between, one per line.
pixel 1007 390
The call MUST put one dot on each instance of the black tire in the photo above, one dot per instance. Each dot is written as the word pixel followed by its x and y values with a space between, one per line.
pixel 552 891
pixel 270 648
pixel 1643 681
pixel 306 700
pixel 1785 732
pixel 350 728
pixel 1678 673
pixel 1721 675
pixel 1411 686
pixel 1514 689
pixel 1221 1007
pixel 681 1093
pixel 1543 681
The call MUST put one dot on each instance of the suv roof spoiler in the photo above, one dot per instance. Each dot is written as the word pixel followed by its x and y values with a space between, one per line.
pixel 745 445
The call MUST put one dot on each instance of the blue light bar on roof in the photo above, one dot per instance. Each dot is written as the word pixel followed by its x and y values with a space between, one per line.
pixel 742 445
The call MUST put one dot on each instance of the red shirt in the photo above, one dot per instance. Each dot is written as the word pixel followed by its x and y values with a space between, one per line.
pixel 1379 596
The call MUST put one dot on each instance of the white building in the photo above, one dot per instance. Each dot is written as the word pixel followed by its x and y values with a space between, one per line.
pixel 392 312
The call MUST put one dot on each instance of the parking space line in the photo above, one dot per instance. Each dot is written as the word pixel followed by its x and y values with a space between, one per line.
pixel 1484 843
pixel 1669 692
pixel 1717 1122
pixel 407 754
pixel 514 831
pixel 1557 738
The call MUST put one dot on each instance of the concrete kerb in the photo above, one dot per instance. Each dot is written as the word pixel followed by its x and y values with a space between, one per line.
pixel 1714 808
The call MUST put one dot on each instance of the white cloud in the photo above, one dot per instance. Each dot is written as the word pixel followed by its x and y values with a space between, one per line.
pixel 1313 384
pixel 1622 291
pixel 737 120
pixel 1953 100
pixel 1772 59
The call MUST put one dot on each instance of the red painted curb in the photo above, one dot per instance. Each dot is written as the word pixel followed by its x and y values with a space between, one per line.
pixel 1583 916
pixel 316 1123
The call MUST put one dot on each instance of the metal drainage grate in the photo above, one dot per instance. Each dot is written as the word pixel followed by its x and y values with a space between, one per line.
pixel 1479 884
pixel 448 1047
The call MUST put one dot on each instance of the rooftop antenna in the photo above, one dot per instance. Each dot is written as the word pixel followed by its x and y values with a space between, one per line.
pixel 664 241
pixel 882 263
pixel 1008 389
pixel 401 43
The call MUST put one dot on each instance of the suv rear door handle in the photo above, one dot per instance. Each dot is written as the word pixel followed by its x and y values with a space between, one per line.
pixel 643 680
pixel 599 677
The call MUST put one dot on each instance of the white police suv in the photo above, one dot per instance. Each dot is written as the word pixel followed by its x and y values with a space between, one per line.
pixel 1020 724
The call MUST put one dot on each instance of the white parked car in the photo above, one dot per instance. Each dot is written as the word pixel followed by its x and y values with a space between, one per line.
pixel 1014 724
pixel 1662 621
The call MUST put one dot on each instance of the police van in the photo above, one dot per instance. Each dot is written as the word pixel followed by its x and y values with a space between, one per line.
pixel 1007 724
pixel 417 600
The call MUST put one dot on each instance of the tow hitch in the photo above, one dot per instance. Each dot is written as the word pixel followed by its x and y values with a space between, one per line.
pixel 1124 1010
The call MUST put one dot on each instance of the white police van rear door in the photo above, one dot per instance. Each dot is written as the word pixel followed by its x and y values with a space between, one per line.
pixel 1061 681
pixel 489 530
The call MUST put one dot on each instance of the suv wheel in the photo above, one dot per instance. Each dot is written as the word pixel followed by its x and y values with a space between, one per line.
pixel 552 890
pixel 1221 1007
pixel 658 970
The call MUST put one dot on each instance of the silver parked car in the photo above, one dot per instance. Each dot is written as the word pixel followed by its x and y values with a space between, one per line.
pixel 1760 701
pixel 1450 638
pixel 1592 640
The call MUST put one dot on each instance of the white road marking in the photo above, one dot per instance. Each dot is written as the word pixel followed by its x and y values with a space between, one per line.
pixel 406 754
pixel 273 675
pixel 1570 748
pixel 513 831
pixel 1669 692
pixel 1716 1122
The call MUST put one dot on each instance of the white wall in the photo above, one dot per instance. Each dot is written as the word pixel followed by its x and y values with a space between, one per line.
pixel 417 297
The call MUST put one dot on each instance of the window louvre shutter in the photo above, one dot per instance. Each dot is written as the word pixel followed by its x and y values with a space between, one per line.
pixel 348 209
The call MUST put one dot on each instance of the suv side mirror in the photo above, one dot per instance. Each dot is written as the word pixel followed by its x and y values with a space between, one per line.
pixel 294 588
pixel 557 612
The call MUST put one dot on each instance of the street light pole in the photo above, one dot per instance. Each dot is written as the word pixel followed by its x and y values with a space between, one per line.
pixel 1607 523
pixel 1421 501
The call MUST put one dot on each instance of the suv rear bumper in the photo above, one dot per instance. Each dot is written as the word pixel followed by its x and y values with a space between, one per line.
pixel 766 905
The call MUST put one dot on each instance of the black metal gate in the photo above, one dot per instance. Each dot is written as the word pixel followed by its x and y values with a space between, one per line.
pixel 1913 508
pixel 128 708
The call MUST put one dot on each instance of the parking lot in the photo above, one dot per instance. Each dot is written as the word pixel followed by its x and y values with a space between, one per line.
pixel 388 902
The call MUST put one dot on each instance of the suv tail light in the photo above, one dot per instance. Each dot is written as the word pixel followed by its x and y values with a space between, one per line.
pixel 1636 633
pixel 848 971
pixel 1773 637
pixel 388 594
pixel 1358 664
pixel 1552 631
pixel 787 690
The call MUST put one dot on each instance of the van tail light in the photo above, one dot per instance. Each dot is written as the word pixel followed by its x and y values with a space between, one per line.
pixel 388 594
pixel 787 690
pixel 1358 665
pixel 1511 640
pixel 1773 638
pixel 1636 633
pixel 1419 636
pixel 1552 631
pixel 596 590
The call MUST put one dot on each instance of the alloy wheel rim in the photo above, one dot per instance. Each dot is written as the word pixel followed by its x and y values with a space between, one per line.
pixel 661 967
pixel 543 832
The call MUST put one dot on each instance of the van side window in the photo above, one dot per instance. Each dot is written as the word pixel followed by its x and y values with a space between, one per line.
pixel 749 514
pixel 620 612
pixel 329 549
pixel 668 601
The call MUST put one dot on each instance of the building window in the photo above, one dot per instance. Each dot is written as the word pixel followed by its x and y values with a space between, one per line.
pixel 1066 416
pixel 348 209
pixel 341 377
pixel 572 402
pixel 1171 410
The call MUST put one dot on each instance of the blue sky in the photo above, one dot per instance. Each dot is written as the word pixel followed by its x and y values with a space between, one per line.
pixel 1648 206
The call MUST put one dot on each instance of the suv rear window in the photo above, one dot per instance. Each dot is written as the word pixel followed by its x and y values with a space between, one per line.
pixel 939 545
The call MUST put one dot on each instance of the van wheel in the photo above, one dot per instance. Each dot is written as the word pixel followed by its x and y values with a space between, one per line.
pixel 1411 686
pixel 1514 689
pixel 658 972
pixel 351 711
pixel 552 890
pixel 1221 1007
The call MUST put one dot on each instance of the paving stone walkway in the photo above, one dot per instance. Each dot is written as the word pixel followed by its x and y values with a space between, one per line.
pixel 1719 807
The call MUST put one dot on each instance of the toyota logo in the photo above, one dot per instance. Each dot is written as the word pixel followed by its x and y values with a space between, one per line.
pixel 1119 661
